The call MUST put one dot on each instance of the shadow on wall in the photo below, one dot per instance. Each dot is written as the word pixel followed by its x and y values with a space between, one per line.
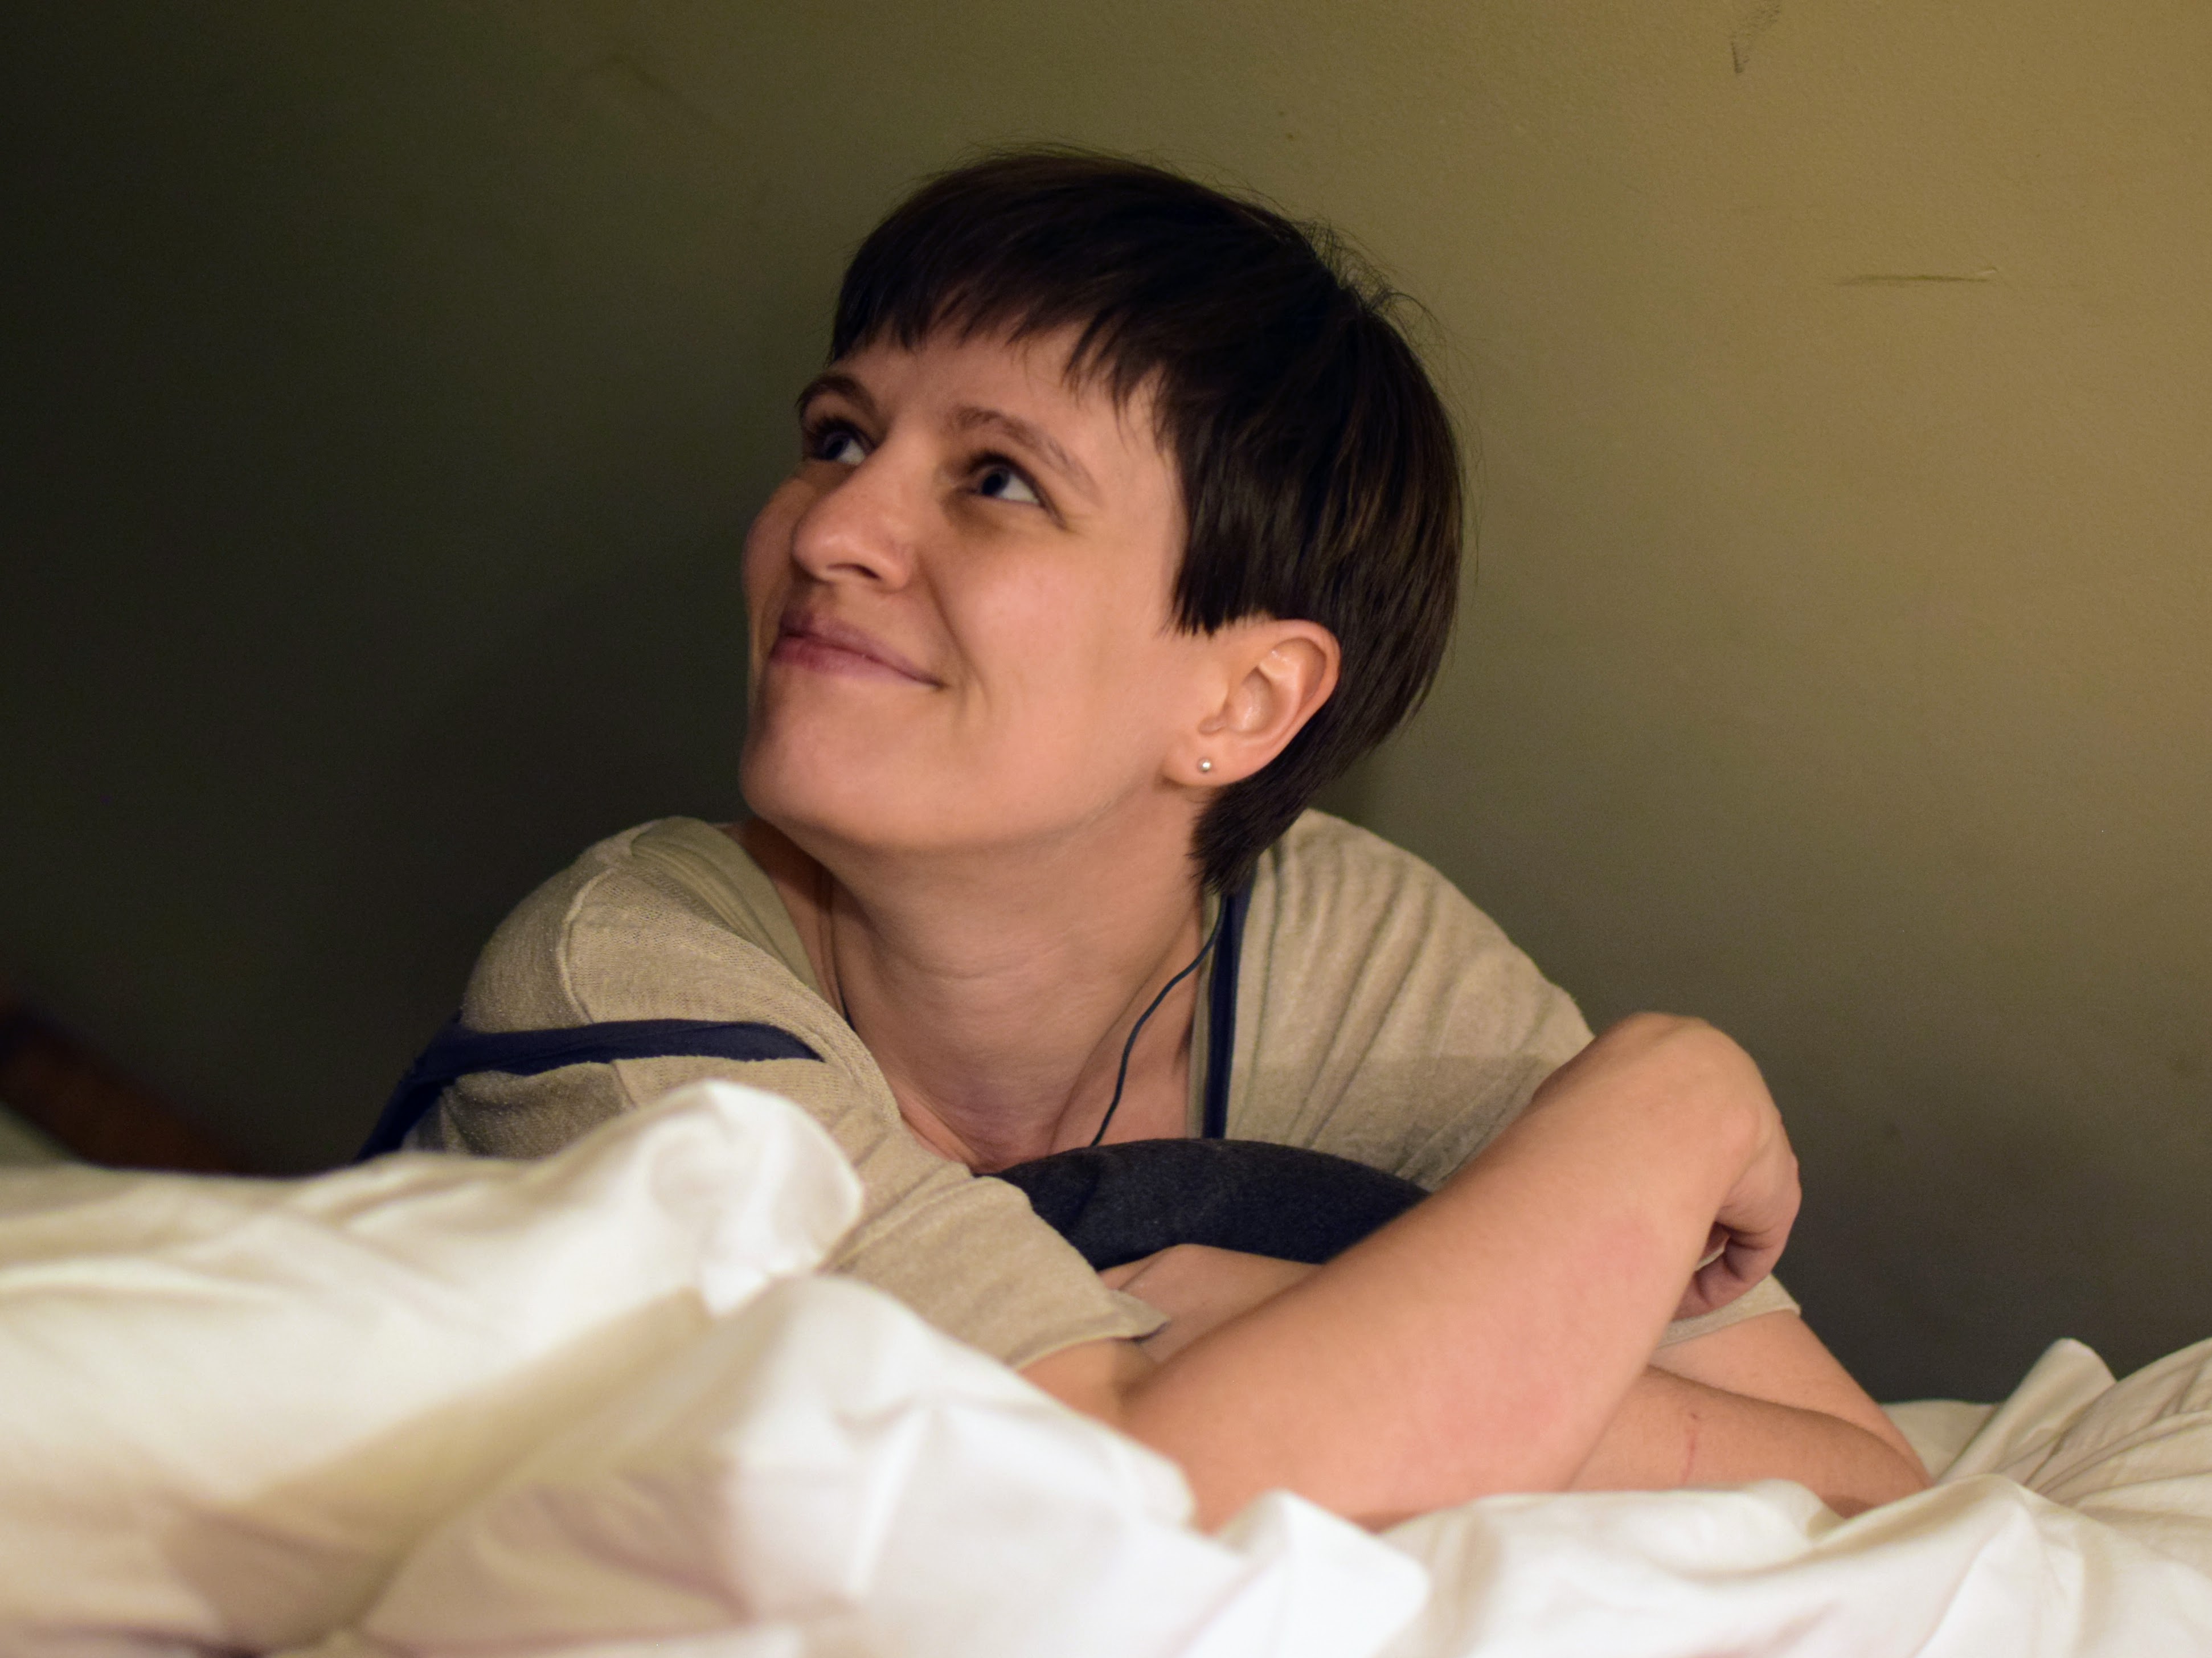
pixel 1353 795
pixel 623 702
pixel 1931 1292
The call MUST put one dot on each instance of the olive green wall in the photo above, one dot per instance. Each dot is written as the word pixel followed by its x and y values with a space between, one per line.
pixel 388 384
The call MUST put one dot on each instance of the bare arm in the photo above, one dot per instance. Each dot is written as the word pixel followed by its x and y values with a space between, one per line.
pixel 1485 1341
pixel 1777 1357
pixel 1761 1399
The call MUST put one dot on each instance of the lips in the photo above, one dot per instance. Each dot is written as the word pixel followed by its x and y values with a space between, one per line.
pixel 829 645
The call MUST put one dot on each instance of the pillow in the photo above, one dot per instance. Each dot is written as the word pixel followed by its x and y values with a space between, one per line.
pixel 1120 1203
pixel 232 1406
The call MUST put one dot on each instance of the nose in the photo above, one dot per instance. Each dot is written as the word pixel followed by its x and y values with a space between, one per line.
pixel 864 528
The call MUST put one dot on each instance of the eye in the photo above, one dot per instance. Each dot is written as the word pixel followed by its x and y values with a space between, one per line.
pixel 834 440
pixel 998 480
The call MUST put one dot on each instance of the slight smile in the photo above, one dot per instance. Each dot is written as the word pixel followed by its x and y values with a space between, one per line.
pixel 829 645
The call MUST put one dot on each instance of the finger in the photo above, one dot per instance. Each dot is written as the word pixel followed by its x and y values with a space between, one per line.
pixel 1743 1261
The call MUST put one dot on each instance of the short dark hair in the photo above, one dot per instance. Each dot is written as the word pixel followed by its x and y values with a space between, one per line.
pixel 1319 470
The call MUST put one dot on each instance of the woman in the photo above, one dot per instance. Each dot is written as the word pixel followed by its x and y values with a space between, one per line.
pixel 1123 521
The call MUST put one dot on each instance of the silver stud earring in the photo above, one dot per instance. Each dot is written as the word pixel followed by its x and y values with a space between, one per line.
pixel 1205 765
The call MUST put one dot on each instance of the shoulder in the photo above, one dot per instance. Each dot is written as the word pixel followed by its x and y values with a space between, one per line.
pixel 1341 903
pixel 665 920
pixel 1326 862
pixel 1383 1016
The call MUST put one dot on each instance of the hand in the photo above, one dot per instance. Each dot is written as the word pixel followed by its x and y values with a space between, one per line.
pixel 1657 1058
pixel 1754 1220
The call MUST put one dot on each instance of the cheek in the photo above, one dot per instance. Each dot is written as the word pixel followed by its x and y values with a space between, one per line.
pixel 1043 645
pixel 768 538
pixel 765 566
pixel 1076 675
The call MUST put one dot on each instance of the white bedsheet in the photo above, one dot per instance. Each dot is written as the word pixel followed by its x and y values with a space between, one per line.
pixel 816 1471
pixel 826 1475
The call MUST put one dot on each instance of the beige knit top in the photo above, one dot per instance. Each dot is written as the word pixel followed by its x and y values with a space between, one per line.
pixel 1380 1016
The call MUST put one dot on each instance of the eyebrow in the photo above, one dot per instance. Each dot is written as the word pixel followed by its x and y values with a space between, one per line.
pixel 969 417
pixel 835 381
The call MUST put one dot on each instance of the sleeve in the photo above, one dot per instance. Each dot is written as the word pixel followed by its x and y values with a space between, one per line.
pixel 1767 1295
pixel 612 937
pixel 1391 1022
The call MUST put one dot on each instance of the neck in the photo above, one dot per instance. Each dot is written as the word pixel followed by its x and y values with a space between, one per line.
pixel 996 993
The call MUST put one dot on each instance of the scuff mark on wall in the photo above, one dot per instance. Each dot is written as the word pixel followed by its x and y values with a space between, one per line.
pixel 628 78
pixel 1752 19
pixel 1910 278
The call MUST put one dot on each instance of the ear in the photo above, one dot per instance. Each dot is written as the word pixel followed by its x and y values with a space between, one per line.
pixel 1273 675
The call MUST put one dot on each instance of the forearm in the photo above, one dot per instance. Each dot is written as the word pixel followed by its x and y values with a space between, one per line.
pixel 1672 1431
pixel 1759 1400
pixel 1485 1341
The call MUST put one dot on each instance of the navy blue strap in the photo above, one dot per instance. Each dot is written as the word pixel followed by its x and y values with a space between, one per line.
pixel 1221 1013
pixel 456 1051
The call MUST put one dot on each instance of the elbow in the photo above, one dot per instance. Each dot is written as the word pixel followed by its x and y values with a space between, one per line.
pixel 1886 1475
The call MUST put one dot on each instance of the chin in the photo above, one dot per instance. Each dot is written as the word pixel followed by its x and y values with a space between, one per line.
pixel 822 793
pixel 883 804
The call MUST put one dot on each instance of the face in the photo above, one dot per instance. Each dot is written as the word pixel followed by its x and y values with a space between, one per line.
pixel 960 608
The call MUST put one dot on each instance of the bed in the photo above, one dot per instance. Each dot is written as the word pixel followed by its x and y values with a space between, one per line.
pixel 601 1405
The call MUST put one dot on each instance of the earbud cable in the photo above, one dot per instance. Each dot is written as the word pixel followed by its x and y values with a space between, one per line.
pixel 1121 1076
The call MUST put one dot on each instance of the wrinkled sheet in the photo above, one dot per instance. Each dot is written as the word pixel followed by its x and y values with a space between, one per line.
pixel 229 1408
pixel 824 1474
pixel 799 1466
